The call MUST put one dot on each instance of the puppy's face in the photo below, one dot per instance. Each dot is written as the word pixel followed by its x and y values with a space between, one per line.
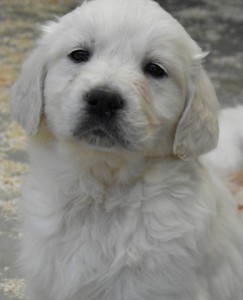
pixel 116 74
pixel 113 85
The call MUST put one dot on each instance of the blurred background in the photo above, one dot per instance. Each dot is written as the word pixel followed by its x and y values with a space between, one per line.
pixel 216 25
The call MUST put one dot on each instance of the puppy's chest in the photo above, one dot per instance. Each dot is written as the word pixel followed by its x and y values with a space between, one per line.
pixel 101 233
pixel 99 236
pixel 138 229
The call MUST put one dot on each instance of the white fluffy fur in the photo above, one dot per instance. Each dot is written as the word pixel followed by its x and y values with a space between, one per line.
pixel 149 223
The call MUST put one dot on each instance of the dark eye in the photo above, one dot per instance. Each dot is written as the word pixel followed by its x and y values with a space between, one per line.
pixel 80 56
pixel 154 70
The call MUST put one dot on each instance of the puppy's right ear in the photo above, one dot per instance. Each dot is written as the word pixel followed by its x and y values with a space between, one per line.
pixel 26 99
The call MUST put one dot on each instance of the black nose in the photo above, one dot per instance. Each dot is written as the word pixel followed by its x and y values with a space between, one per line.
pixel 104 102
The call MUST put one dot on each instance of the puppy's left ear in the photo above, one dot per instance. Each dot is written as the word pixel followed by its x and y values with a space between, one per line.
pixel 27 92
pixel 197 131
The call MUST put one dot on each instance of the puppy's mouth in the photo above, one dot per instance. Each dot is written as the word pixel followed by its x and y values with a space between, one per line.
pixel 102 135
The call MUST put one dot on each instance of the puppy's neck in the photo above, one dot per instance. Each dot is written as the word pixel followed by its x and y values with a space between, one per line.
pixel 107 167
pixel 110 168
pixel 97 173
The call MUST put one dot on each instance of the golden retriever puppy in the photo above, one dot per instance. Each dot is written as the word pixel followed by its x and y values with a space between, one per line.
pixel 118 203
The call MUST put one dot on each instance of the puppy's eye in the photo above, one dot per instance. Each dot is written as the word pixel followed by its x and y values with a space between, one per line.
pixel 154 70
pixel 80 56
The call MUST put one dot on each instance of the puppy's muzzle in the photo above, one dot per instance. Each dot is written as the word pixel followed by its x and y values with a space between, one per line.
pixel 102 122
pixel 103 103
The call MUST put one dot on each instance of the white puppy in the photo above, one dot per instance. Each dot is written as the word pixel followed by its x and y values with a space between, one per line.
pixel 117 204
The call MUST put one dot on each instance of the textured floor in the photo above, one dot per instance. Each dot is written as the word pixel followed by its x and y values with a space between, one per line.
pixel 217 26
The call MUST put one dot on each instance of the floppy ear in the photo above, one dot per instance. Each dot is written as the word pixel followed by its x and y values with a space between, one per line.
pixel 27 93
pixel 197 130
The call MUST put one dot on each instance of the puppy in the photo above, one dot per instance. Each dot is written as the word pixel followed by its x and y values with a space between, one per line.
pixel 118 205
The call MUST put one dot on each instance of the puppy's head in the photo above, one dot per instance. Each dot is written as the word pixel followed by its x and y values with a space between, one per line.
pixel 119 74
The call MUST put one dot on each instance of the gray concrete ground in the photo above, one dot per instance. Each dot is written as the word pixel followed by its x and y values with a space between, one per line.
pixel 217 25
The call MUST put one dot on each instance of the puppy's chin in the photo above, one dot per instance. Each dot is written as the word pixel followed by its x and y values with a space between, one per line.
pixel 107 134
pixel 101 138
